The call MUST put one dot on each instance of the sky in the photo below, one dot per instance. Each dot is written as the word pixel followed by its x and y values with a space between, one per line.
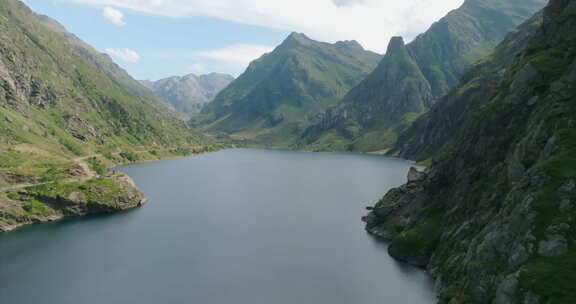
pixel 153 39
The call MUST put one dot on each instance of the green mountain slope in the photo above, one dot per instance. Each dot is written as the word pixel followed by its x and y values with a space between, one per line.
pixel 493 218
pixel 65 112
pixel 383 105
pixel 280 93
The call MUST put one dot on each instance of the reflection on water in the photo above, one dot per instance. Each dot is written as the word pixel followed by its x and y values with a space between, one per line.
pixel 237 226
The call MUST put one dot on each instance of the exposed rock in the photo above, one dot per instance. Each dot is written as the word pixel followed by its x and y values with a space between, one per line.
pixel 566 205
pixel 519 255
pixel 554 245
pixel 497 165
pixel 189 94
pixel 568 188
pixel 414 175
pixel 505 293
pixel 531 298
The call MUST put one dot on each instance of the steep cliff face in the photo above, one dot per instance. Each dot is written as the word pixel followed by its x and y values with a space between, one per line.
pixel 448 49
pixel 189 94
pixel 436 130
pixel 281 93
pixel 374 113
pixel 400 88
pixel 494 218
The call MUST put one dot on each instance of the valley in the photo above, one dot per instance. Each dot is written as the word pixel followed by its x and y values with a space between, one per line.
pixel 477 111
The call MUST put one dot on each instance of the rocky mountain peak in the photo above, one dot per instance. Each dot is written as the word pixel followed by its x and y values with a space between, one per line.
pixel 296 39
pixel 353 44
pixel 396 45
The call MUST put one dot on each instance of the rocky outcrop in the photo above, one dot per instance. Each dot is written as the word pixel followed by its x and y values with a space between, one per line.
pixel 51 202
pixel 492 218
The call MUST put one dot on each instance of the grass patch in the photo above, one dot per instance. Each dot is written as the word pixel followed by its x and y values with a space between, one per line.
pixel 95 190
pixel 420 240
pixel 34 207
pixel 72 146
pixel 130 156
pixel 8 221
pixel 552 278
pixel 97 166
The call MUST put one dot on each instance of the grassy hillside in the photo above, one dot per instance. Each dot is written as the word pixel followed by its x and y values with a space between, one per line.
pixel 61 102
pixel 283 92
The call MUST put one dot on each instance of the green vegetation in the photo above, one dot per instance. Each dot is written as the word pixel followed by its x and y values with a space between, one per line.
pixel 75 102
pixel 130 156
pixel 421 240
pixel 95 190
pixel 503 146
pixel 72 146
pixel 410 79
pixel 552 278
pixel 8 221
pixel 97 166
pixel 34 207
pixel 33 166
pixel 281 93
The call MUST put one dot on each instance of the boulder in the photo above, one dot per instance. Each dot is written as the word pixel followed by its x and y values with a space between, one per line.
pixel 414 175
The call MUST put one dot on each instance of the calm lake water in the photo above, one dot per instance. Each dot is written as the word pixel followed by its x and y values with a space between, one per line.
pixel 237 226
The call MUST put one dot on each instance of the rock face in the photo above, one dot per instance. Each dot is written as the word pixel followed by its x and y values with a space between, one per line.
pixel 486 219
pixel 189 94
pixel 413 77
pixel 283 92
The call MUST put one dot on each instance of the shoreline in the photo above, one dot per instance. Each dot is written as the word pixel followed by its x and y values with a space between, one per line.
pixel 124 181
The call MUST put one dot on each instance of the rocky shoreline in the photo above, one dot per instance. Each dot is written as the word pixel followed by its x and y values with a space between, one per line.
pixel 493 218
pixel 49 203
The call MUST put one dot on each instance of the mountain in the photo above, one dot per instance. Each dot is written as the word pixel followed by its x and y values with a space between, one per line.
pixel 281 93
pixel 190 93
pixel 68 112
pixel 493 217
pixel 412 77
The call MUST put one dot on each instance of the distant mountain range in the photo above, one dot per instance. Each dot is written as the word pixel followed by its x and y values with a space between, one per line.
pixel 283 92
pixel 189 94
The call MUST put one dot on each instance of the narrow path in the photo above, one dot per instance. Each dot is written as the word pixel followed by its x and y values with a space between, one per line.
pixel 80 161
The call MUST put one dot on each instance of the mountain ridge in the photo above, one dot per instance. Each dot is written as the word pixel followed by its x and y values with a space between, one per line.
pixel 272 101
pixel 442 54
pixel 190 93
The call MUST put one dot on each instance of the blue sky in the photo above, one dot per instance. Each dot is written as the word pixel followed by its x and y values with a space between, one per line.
pixel 153 39
pixel 166 46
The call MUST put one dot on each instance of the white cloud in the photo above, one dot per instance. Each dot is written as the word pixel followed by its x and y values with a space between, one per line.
pixel 372 23
pixel 197 68
pixel 115 16
pixel 237 55
pixel 341 3
pixel 127 55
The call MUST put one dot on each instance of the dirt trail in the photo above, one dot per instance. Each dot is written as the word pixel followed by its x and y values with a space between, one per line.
pixel 80 161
